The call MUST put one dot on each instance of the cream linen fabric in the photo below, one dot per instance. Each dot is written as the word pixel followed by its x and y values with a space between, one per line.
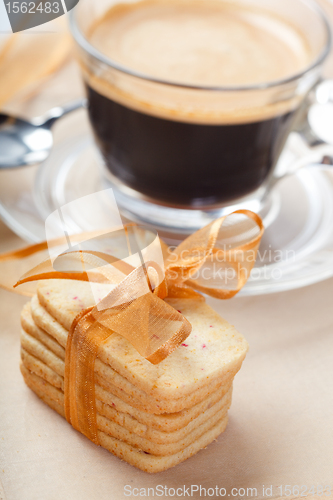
pixel 280 430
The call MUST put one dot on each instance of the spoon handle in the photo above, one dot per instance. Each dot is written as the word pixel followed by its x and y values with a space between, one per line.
pixel 54 114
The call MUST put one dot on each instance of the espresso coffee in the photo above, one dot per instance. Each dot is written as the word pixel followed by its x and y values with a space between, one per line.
pixel 180 144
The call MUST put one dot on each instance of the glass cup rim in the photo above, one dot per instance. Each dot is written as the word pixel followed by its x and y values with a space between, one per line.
pixel 84 43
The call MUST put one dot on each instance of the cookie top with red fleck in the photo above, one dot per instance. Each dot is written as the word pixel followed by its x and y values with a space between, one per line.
pixel 214 349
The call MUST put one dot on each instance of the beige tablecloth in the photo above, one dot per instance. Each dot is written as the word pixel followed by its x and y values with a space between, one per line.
pixel 280 433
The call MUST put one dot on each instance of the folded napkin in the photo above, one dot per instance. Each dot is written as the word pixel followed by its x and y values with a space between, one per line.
pixel 27 58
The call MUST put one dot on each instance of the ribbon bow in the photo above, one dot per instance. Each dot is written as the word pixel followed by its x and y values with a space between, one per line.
pixel 216 260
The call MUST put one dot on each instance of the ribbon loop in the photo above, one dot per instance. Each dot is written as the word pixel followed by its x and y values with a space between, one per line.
pixel 217 259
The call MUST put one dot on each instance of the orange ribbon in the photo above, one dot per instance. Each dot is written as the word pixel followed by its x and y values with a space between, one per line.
pixel 216 260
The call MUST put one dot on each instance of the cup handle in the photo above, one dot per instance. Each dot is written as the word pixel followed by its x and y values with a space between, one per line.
pixel 315 130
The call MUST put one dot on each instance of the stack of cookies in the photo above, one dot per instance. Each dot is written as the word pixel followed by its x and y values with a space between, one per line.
pixel 151 416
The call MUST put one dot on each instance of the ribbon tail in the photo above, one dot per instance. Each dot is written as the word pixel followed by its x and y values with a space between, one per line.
pixel 84 339
pixel 79 266
pixel 151 325
pixel 171 345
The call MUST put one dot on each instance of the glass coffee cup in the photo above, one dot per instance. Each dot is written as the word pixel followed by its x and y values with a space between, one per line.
pixel 179 147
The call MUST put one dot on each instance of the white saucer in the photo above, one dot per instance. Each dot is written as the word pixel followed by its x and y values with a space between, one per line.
pixel 297 247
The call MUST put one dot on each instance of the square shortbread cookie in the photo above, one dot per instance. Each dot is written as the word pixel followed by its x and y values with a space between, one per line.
pixel 213 351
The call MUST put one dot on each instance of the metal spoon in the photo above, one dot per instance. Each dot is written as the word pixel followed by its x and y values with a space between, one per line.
pixel 25 142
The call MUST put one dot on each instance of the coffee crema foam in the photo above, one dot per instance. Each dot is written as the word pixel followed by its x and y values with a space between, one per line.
pixel 201 43
pixel 206 43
